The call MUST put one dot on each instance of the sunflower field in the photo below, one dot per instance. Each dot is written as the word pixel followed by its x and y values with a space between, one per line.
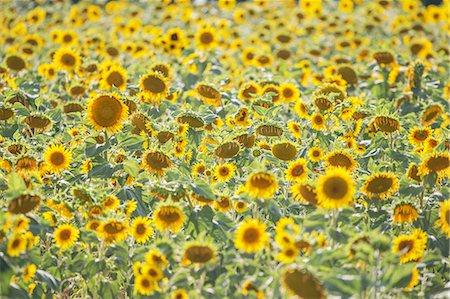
pixel 224 149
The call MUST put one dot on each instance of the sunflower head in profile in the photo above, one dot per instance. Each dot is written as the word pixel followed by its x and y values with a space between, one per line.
pixel 405 213
pixel 66 59
pixel 302 284
pixel 107 112
pixel 154 86
pixel 113 230
pixel 57 158
pixel 208 94
pixel 65 236
pixel 38 121
pixel 335 188
pixel 331 91
pixel 284 151
pixel 227 149
pixel 431 114
pixel 438 163
pixel 340 159
pixel 169 217
pixel 297 171
pixel 304 192
pixel 385 124
pixel 164 69
pixel 198 253
pixel 15 62
pixel 26 164
pixel 269 130
pixel 156 162
pixel 444 218
pixel 384 58
pixel 380 185
pixel 261 185
pixel 251 236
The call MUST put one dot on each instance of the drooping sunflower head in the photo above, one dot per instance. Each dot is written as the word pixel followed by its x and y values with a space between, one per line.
pixel 26 164
pixel 302 284
pixel 169 217
pixel 284 151
pixel 380 185
pixel 23 204
pixel 156 162
pixel 227 149
pixel 15 63
pixel 340 159
pixel 405 213
pixel 304 192
pixel 38 121
pixel 322 102
pixel 198 253
pixel 269 130
pixel 154 86
pixel 348 74
pixel 192 120
pixel 386 124
pixel 384 58
pixel 335 188
pixel 431 114
pixel 331 91
pixel 107 112
pixel 209 94
pixel 57 158
pixel 261 185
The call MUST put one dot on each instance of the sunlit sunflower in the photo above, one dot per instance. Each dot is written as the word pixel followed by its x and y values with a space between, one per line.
pixel 153 271
pixel 405 213
pixel 181 293
pixel 305 193
pixel 301 109
pixel 288 254
pixel 438 163
pixel 115 76
pixel 168 217
pixel 198 252
pixel 156 162
pixel 65 236
pixel 28 273
pixel 198 168
pixel 16 245
pixel 154 86
pixel 315 154
pixel 225 172
pixel 209 94
pixel 251 236
pixel 411 247
pixel 113 231
pixel 223 204
pixel 297 170
pixel 413 281
pixel 141 230
pixel 380 185
pixel 107 112
pixel 111 202
pixel 164 69
pixel 289 92
pixel 66 59
pixel 57 158
pixel 335 189
pixel 444 217
pixel 340 159
pixel 155 257
pixel 418 136
pixel 249 91
pixel 261 185
pixel 413 173
pixel 318 122
pixel 295 130
pixel 206 38
pixel 386 124
pixel 144 285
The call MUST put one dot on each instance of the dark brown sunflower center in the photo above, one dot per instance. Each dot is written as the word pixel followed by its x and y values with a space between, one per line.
pixel 379 185
pixel 206 38
pixel 224 171
pixel 438 163
pixel 57 158
pixel 154 84
pixel 251 235
pixel 199 254
pixel 15 63
pixel 141 229
pixel 114 228
pixel 421 135
pixel 298 170
pixel 261 182
pixel 335 187
pixel 65 234
pixel 68 59
pixel 287 92
pixel 106 111
pixel 408 244
pixel 169 216
pixel 115 79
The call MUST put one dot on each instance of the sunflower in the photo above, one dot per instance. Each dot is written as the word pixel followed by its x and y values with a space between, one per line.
pixel 144 284
pixel 251 236
pixel 156 162
pixel 297 171
pixel 66 59
pixel 411 247
pixel 340 159
pixel 111 202
pixel 225 172
pixel 315 154
pixel 107 111
pixel 223 204
pixel 284 151
pixel 15 63
pixel 16 245
pixel 288 254
pixel 93 225
pixel 154 86
pixel 168 217
pixel 431 114
pixel 438 163
pixel 305 193
pixel 155 257
pixel 380 185
pixel 141 230
pixel 335 188
pixel 302 283
pixel 444 217
pixel 386 124
pixel 413 173
pixel 301 109
pixel 163 69
pixel 198 168
pixel 65 236
pixel 113 231
pixel 153 271
pixel 240 206
pixel 181 293
pixel 318 122
pixel 26 165
pixel 28 273
pixel 289 92
pixel 249 91
pixel 198 252
pixel 206 38
pixel 413 281
pixel 405 213
pixel 295 129
pixel 115 76
pixel 261 185
pixel 418 136
pixel 208 94
pixel 57 158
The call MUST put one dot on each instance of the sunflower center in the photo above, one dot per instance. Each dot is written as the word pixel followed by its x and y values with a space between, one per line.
pixel 421 135
pixel 65 234
pixel 249 91
pixel 15 63
pixel 67 38
pixel 290 252
pixel 288 93
pixel 318 120
pixel 408 244
pixel 115 79
pixel 169 216
pixel 208 91
pixel 438 163
pixel 145 283
pixel 261 182
pixel 298 170
pixel 199 254
pixel 68 59
pixel 107 111
pixel 57 158
pixel 140 229
pixel 379 185
pixel 335 187
pixel 251 235
pixel 154 84
pixel 206 38
pixel 15 243
pixel 224 171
